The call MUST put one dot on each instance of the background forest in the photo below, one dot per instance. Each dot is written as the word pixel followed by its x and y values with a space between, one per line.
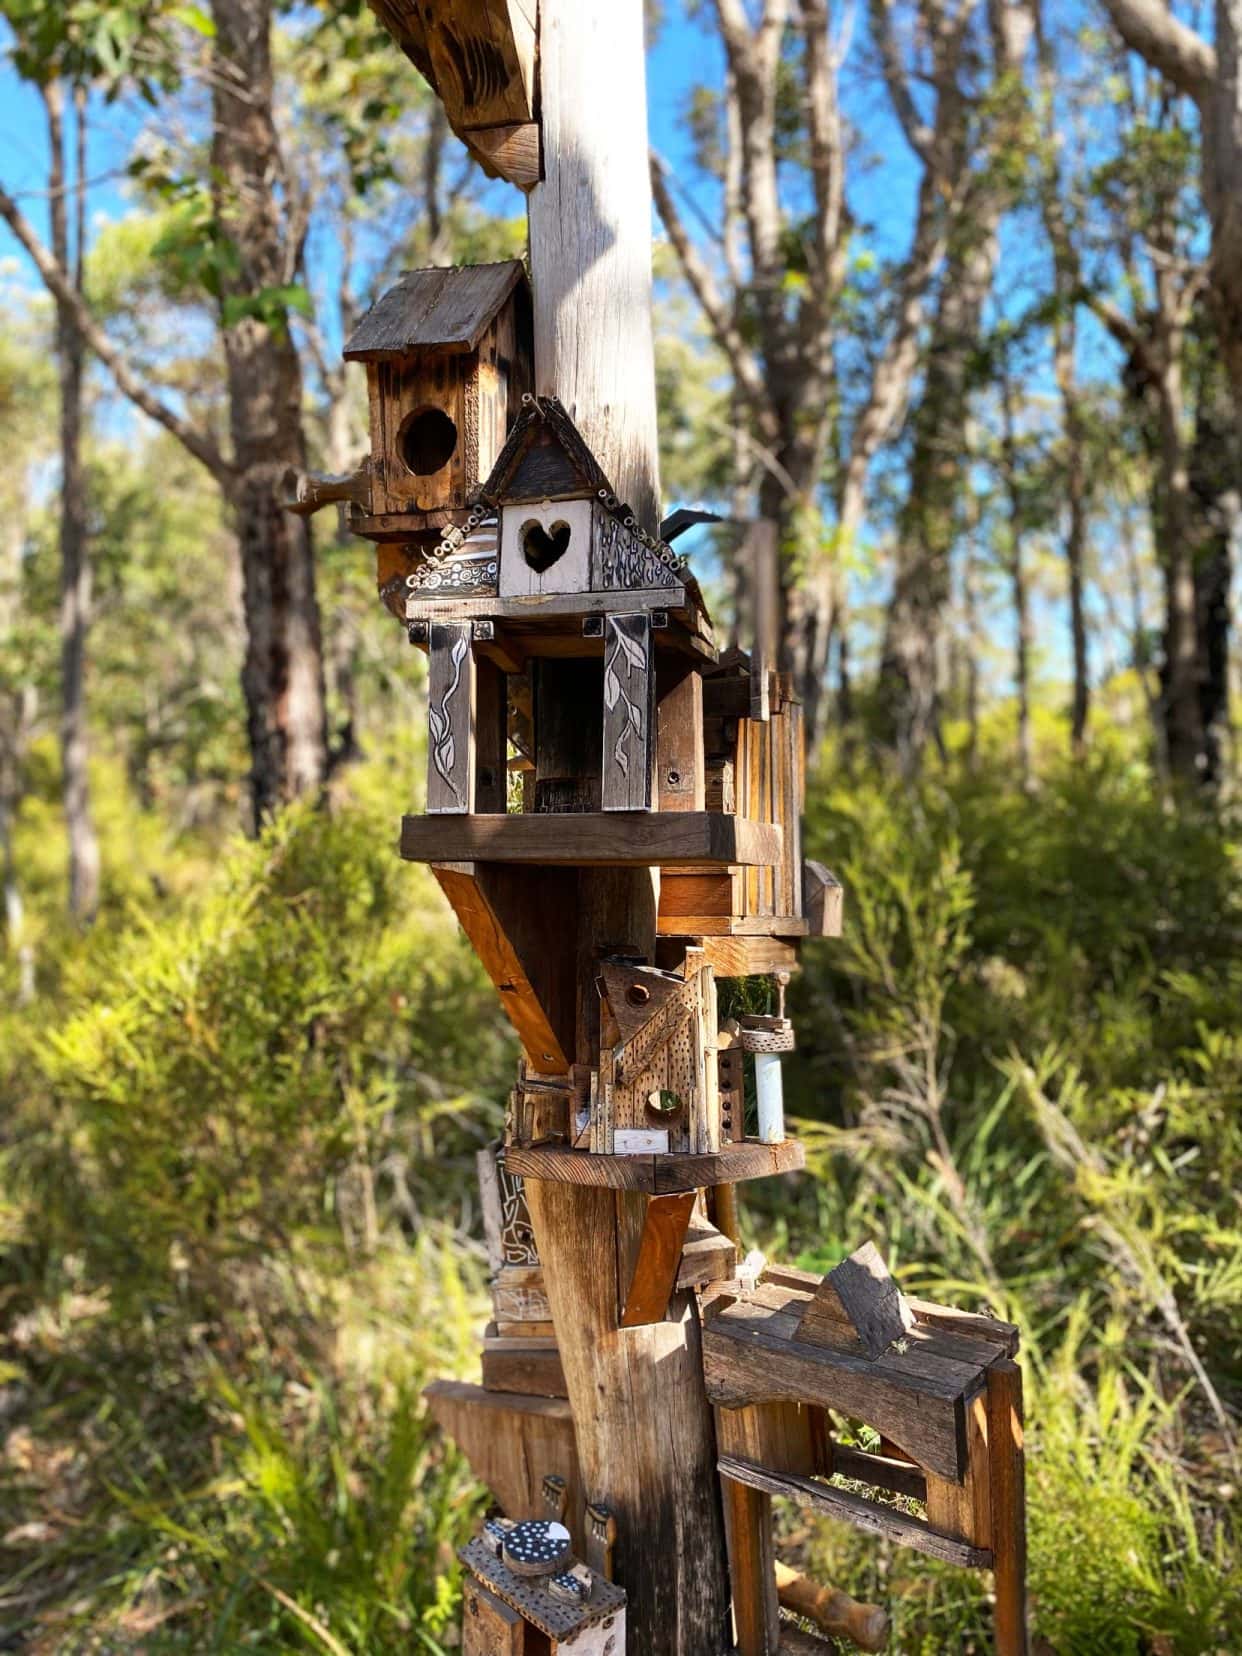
pixel 950 290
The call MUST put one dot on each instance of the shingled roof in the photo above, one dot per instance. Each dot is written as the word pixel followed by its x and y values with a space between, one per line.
pixel 448 309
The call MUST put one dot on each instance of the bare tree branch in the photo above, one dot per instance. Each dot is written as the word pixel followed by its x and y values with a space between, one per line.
pixel 746 370
pixel 1149 28
pixel 919 135
pixel 58 283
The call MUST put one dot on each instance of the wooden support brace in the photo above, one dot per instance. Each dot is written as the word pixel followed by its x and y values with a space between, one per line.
pixel 833 1612
pixel 629 694
pixel 659 1258
pixel 1008 1499
pixel 450 719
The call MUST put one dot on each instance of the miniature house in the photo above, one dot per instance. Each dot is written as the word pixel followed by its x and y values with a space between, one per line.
pixel 448 355
pixel 525 1592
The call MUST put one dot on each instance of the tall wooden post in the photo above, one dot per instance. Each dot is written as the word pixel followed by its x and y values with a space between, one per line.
pixel 644 1426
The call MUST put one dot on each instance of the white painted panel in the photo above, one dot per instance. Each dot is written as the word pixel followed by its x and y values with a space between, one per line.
pixel 570 573
pixel 640 1141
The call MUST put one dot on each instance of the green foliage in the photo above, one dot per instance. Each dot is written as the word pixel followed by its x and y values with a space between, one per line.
pixel 1020 1069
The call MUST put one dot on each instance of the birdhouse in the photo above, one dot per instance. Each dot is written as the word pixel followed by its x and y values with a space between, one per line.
pixel 563 532
pixel 449 358
pixel 525 1591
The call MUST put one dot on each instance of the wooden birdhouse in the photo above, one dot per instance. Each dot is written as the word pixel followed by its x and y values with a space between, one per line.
pixel 448 355
pixel 525 1592
pixel 563 532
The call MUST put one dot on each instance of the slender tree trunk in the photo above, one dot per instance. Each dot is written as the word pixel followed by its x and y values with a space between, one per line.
pixel 17 711
pixel 282 677
pixel 909 700
pixel 1175 525
pixel 75 561
pixel 1216 490
pixel 1018 580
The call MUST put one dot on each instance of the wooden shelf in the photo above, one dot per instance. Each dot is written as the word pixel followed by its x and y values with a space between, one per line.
pixel 597 839
pixel 849 1508
pixel 658 1175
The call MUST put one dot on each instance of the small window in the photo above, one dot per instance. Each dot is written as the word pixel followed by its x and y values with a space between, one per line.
pixel 427 441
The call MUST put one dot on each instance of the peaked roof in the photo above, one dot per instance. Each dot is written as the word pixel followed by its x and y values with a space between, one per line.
pixel 446 308
pixel 545 416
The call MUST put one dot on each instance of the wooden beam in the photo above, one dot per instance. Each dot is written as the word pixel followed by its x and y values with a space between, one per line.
pixel 855 1509
pixel 504 916
pixel 657 1266
pixel 1008 1499
pixel 606 839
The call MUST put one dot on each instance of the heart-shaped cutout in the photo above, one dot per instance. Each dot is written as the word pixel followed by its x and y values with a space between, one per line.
pixel 543 547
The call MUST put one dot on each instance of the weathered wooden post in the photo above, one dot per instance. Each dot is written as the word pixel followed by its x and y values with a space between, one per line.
pixel 644 1423
pixel 640 1395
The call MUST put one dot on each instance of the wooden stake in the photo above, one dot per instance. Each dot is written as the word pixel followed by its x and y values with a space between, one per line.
pixel 1005 1455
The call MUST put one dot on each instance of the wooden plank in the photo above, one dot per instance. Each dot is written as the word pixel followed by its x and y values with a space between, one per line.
pixel 450 719
pixel 857 1307
pixel 680 768
pixel 491 737
pixel 795 798
pixel 512 1442
pixel 658 1175
pixel 537 608
pixel 707 1256
pixel 503 914
pixel 483 60
pixel 748 1531
pixel 536 1372
pixel 488 1626
pixel 823 900
pixel 609 839
pixel 899 1477
pixel 965 1509
pixel 694 893
pixel 1008 1498
pixel 629 696
pixel 731 956
pixel 971 1324
pixel 656 1269
pixel 855 1509
pixel 749 1360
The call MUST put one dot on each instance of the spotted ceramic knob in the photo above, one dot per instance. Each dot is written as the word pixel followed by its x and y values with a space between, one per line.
pixel 537 1548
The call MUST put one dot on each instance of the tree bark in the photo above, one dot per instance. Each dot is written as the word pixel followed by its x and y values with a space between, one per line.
pixel 1216 491
pixel 75 560
pixel 282 676
pixel 1018 580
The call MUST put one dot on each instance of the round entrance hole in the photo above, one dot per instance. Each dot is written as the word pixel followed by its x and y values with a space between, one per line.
pixel 428 439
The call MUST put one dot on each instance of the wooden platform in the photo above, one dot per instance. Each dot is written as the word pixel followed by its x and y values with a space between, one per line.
pixel 917 1396
pixel 596 839
pixel 658 1175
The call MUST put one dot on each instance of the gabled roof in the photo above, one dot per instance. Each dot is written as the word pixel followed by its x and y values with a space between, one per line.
pixel 449 309
pixel 566 467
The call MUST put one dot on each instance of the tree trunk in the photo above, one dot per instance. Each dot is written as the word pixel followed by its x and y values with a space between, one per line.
pixel 282 677
pixel 928 524
pixel 643 1422
pixel 17 710
pixel 1216 490
pixel 1018 581
pixel 75 563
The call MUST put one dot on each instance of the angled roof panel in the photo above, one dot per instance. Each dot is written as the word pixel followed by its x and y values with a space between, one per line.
pixel 446 309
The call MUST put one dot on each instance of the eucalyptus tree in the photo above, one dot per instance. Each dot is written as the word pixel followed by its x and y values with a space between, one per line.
pixel 1210 74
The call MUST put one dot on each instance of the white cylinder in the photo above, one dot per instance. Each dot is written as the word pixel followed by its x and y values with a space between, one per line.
pixel 770 1095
